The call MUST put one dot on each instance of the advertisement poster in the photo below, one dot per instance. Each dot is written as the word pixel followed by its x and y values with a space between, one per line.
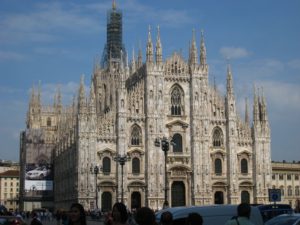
pixel 39 169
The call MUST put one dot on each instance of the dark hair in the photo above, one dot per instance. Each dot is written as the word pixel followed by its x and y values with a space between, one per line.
pixel 244 209
pixel 145 216
pixel 166 218
pixel 123 211
pixel 194 219
pixel 82 217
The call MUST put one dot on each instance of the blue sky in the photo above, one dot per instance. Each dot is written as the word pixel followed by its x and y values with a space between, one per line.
pixel 56 41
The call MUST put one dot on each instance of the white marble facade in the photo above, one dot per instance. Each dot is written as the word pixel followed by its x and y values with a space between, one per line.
pixel 218 157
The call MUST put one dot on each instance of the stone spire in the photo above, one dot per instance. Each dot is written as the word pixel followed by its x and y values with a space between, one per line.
pixel 58 100
pixel 133 66
pixel 140 59
pixel 81 96
pixel 39 94
pixel 229 81
pixel 255 107
pixel 92 99
pixel 114 5
pixel 202 51
pixel 193 51
pixel 264 115
pixel 246 112
pixel 158 55
pixel 149 53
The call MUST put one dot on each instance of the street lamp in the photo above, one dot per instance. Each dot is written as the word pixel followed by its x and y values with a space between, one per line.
pixel 95 170
pixel 122 159
pixel 165 145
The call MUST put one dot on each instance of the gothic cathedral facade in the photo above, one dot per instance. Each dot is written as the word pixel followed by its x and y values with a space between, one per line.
pixel 214 156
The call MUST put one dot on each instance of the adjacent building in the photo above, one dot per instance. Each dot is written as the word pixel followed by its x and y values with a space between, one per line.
pixel 9 189
pixel 285 176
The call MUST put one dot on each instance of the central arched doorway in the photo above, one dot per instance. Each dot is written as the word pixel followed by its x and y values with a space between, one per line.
pixel 178 193
pixel 106 204
pixel 135 200
pixel 219 197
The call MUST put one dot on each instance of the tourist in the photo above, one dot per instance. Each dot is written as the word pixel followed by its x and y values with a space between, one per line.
pixel 243 211
pixel 145 216
pixel 119 214
pixel 77 215
pixel 166 218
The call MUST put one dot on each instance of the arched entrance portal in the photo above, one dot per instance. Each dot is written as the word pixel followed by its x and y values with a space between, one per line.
pixel 245 197
pixel 178 194
pixel 106 204
pixel 219 197
pixel 135 200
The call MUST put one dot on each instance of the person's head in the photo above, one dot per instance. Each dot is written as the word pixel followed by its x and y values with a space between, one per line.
pixel 166 218
pixel 77 214
pixel 194 219
pixel 244 210
pixel 33 214
pixel 119 212
pixel 145 216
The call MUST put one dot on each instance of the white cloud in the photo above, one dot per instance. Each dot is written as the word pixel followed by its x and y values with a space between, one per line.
pixel 282 97
pixel 9 90
pixel 11 56
pixel 47 22
pixel 163 17
pixel 295 64
pixel 234 52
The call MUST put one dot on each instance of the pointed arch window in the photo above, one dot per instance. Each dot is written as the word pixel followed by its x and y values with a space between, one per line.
pixel 106 165
pixel 176 101
pixel 244 166
pixel 217 137
pixel 218 167
pixel 48 122
pixel 136 165
pixel 136 136
pixel 177 140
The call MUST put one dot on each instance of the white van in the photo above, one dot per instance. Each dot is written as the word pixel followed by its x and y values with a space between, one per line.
pixel 212 215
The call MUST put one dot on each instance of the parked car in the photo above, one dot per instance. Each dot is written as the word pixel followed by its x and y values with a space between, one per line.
pixel 285 219
pixel 38 173
pixel 272 210
pixel 212 215
pixel 11 220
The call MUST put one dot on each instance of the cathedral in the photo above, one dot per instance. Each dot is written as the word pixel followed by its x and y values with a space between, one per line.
pixel 150 132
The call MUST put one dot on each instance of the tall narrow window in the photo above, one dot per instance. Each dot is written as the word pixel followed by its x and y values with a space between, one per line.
pixel 176 102
pixel 106 165
pixel 218 167
pixel 244 166
pixel 136 136
pixel 290 191
pixel 217 137
pixel 135 165
pixel 282 190
pixel 297 191
pixel 177 140
pixel 48 122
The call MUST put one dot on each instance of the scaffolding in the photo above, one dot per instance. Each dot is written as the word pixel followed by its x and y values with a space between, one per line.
pixel 114 46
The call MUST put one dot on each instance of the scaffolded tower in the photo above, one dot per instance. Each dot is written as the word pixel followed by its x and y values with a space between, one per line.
pixel 114 46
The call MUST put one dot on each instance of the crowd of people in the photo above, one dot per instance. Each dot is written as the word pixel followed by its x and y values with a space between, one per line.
pixel 121 216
